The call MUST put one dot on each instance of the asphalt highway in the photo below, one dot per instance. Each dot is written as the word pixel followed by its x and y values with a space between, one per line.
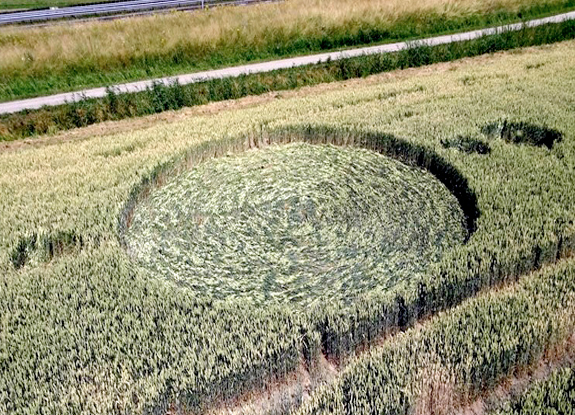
pixel 107 9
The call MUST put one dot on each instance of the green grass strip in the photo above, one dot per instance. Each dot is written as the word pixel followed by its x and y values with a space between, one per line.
pixel 8 5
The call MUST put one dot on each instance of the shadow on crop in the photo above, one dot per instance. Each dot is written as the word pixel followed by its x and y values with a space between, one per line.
pixel 467 145
pixel 523 133
pixel 45 247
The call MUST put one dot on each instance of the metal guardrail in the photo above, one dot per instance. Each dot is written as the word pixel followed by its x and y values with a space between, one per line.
pixel 115 8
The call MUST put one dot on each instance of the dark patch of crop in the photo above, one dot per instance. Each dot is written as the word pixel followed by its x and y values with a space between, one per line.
pixel 523 133
pixel 467 145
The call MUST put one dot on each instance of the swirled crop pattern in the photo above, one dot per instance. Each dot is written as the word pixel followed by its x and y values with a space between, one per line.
pixel 298 223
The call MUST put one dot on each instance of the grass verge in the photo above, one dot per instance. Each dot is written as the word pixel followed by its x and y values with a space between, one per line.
pixel 56 59
pixel 8 5
pixel 162 98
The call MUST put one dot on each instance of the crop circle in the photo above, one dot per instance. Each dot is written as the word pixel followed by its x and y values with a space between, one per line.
pixel 295 223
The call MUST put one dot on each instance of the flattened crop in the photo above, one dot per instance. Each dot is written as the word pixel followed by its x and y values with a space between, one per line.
pixel 295 223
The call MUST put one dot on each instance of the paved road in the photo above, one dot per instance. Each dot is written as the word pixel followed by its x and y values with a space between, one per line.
pixel 112 8
pixel 58 99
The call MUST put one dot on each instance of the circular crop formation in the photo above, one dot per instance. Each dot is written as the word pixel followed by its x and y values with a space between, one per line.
pixel 295 223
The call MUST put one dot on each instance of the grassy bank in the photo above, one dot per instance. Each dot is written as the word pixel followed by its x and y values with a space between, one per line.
pixel 161 98
pixel 54 59
pixel 84 331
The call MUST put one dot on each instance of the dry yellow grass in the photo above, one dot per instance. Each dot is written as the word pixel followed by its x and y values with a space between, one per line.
pixel 48 48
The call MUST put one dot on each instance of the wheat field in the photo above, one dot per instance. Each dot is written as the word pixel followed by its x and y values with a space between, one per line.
pixel 297 223
pixel 85 330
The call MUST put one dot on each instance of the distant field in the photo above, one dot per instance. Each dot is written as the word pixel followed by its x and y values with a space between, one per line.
pixel 68 57
pixel 39 4
pixel 84 330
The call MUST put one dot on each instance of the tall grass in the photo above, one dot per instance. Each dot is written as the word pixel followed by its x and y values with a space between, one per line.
pixel 41 61
pixel 161 98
